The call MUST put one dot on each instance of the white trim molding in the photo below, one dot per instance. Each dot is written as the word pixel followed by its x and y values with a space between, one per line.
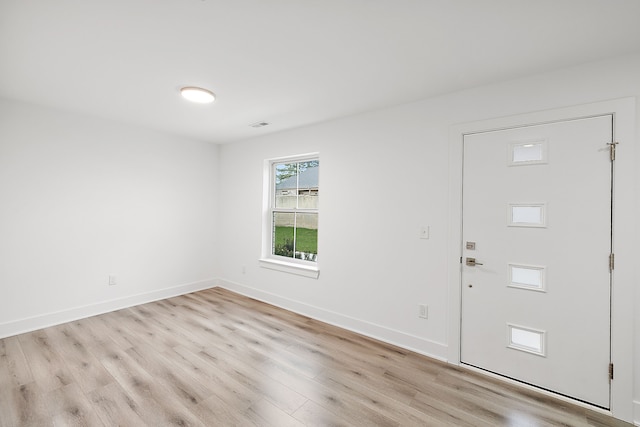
pixel 409 342
pixel 29 324
pixel 300 270
pixel 636 404
pixel 624 233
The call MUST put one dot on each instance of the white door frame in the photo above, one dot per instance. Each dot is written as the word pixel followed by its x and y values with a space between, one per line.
pixel 624 233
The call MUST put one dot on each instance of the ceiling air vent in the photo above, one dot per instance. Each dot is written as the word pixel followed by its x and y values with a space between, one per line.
pixel 259 124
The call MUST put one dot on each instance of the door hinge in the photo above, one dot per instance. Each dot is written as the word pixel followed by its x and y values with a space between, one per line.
pixel 610 371
pixel 612 262
pixel 612 150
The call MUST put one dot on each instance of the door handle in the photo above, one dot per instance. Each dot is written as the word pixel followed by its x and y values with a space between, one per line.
pixel 471 262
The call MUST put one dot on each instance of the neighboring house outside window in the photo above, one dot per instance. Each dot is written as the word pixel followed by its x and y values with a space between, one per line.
pixel 291 222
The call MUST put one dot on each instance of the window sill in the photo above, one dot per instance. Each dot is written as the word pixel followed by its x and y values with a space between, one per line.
pixel 290 267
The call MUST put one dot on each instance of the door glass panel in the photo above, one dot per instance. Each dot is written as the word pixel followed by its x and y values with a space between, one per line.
pixel 525 339
pixel 527 277
pixel 527 153
pixel 532 215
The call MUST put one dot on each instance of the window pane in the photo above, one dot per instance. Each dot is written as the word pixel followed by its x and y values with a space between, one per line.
pixel 283 234
pixel 286 193
pixel 308 184
pixel 306 236
pixel 297 185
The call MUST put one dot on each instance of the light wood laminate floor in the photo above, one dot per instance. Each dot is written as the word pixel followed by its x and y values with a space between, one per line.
pixel 215 358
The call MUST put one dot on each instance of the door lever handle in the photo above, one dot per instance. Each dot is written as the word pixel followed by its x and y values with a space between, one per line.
pixel 471 262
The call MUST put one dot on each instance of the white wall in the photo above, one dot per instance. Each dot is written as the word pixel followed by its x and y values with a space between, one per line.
pixel 82 199
pixel 389 168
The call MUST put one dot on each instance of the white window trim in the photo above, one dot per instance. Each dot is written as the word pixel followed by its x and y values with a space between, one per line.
pixel 290 267
pixel 268 260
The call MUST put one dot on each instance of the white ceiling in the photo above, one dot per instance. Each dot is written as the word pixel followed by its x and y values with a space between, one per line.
pixel 287 62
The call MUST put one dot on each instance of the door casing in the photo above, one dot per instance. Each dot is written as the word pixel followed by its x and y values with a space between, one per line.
pixel 624 233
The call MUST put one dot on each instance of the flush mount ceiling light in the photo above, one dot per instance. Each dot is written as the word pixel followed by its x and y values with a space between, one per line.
pixel 197 94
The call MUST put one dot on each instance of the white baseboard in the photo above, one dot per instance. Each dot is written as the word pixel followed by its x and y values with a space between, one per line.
pixel 636 412
pixel 429 348
pixel 21 326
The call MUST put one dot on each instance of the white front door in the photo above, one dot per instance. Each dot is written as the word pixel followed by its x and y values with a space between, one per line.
pixel 537 203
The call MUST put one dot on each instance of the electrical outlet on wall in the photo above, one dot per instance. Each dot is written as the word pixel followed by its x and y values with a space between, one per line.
pixel 112 280
pixel 423 311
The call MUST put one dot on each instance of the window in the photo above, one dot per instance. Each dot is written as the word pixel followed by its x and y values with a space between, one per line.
pixel 291 215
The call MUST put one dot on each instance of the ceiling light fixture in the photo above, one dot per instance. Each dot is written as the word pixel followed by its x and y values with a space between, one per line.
pixel 197 94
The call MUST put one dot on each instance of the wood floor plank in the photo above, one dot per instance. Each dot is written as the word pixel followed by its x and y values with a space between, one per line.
pixel 14 369
pixel 69 406
pixel 271 415
pixel 215 358
pixel 214 411
pixel 313 415
pixel 24 405
pixel 144 330
pixel 465 410
pixel 157 405
pixel 86 369
pixel 115 407
pixel 233 392
pixel 383 404
pixel 107 326
pixel 184 386
pixel 47 367
pixel 260 351
pixel 400 391
pixel 257 380
pixel 508 399
pixel 447 414
pixel 199 332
